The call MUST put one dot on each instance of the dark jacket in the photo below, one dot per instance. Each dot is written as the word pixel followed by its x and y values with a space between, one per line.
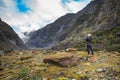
pixel 88 40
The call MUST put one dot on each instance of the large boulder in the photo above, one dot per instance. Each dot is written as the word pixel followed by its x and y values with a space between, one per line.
pixel 61 59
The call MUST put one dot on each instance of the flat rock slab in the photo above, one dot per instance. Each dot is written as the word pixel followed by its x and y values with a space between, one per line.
pixel 71 49
pixel 61 59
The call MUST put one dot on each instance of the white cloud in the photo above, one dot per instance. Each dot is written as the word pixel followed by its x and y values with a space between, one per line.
pixel 42 12
pixel 74 7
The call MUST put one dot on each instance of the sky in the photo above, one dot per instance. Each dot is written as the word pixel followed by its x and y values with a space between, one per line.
pixel 30 15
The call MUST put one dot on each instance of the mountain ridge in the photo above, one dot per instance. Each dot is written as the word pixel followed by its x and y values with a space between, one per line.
pixel 9 39
pixel 98 15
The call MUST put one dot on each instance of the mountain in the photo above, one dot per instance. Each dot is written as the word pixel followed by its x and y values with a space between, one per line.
pixel 45 37
pixel 101 18
pixel 9 39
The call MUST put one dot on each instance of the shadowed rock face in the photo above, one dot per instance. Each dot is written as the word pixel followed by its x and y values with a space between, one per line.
pixel 8 38
pixel 71 29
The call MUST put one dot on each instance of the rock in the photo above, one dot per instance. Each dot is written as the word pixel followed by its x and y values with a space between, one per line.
pixel 101 75
pixel 90 79
pixel 61 59
pixel 71 49
pixel 111 74
pixel 44 79
pixel 73 79
pixel 116 52
pixel 18 57
pixel 86 72
pixel 60 74
pixel 15 67
pixel 99 70
pixel 32 71
pixel 85 58
pixel 81 60
pixel 7 65
pixel 104 79
pixel 79 72
pixel 21 53
pixel 87 64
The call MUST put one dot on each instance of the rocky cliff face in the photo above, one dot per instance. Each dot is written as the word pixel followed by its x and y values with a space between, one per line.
pixel 8 38
pixel 71 29
pixel 45 37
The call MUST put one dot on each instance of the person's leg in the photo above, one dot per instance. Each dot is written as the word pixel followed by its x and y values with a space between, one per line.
pixel 88 49
pixel 91 50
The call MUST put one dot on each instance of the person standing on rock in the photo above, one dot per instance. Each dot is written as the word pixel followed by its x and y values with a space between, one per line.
pixel 89 44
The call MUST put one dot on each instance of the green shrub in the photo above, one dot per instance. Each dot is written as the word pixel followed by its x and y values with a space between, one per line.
pixel 24 72
pixel 8 51
pixel 114 47
pixel 108 39
pixel 35 77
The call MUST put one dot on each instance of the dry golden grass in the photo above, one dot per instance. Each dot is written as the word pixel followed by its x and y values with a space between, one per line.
pixel 30 63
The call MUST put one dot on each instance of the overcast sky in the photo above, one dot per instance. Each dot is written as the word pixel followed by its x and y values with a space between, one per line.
pixel 28 15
